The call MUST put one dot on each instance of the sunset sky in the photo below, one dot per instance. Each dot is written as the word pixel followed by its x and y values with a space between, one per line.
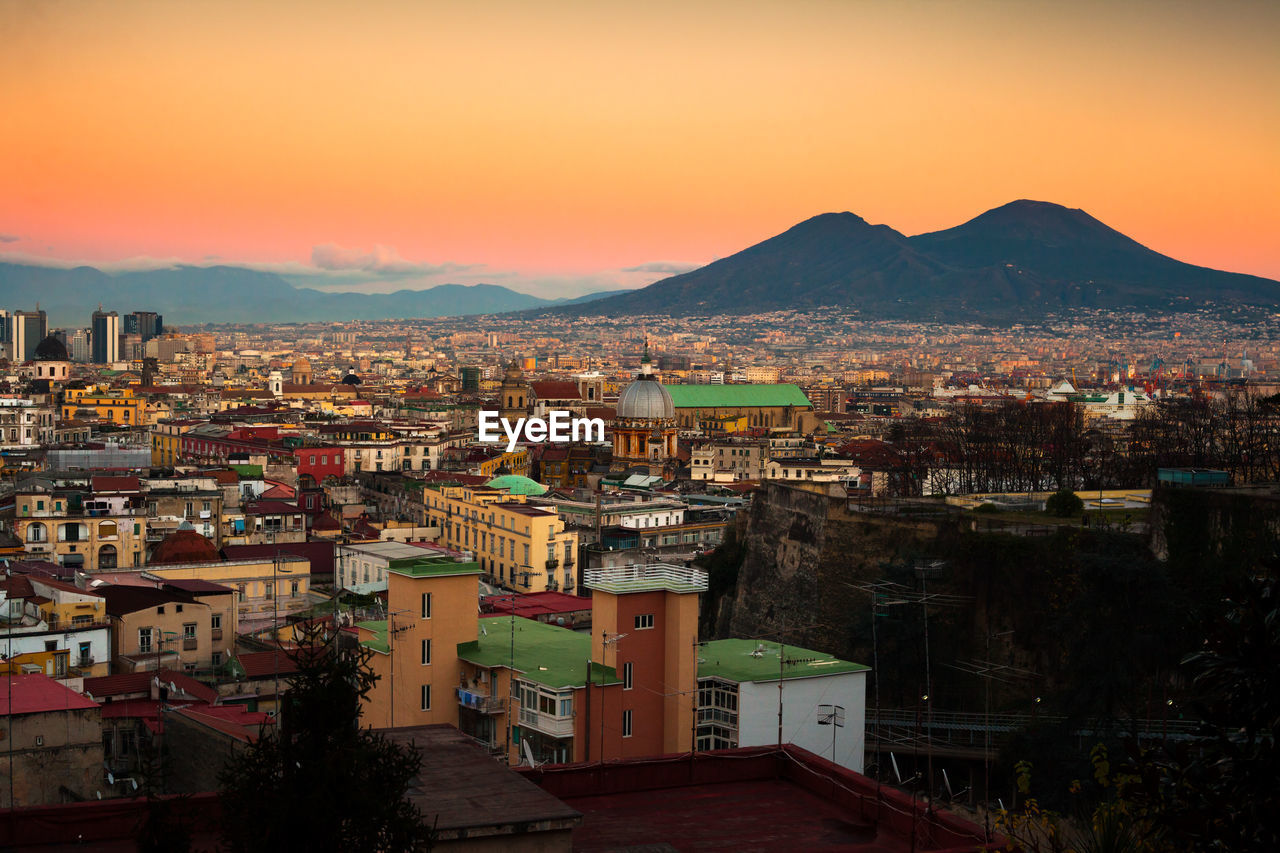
pixel 558 147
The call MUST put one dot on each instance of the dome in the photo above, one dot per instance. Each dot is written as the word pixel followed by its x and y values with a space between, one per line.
pixel 645 399
pixel 351 379
pixel 517 485
pixel 184 545
pixel 51 349
pixel 301 363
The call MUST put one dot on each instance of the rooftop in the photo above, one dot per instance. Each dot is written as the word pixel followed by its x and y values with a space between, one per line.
pixel 545 654
pixel 37 694
pixel 653 577
pixel 759 799
pixel 726 396
pixel 433 565
pixel 754 660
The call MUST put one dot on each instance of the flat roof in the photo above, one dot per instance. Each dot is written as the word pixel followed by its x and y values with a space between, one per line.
pixel 432 565
pixel 730 396
pixel 545 654
pixel 379 641
pixel 755 660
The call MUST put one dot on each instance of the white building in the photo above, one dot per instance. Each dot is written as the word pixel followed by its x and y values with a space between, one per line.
pixel 24 424
pixel 824 699
pixel 361 567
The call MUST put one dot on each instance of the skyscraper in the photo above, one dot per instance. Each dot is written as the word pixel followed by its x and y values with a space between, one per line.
pixel 148 324
pixel 105 337
pixel 26 330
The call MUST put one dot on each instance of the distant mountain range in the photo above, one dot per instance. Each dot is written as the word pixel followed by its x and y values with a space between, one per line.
pixel 225 294
pixel 1009 263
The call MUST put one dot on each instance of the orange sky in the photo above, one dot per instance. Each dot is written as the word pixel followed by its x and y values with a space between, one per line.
pixel 556 143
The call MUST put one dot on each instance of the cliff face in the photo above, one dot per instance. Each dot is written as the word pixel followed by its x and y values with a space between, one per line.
pixel 804 551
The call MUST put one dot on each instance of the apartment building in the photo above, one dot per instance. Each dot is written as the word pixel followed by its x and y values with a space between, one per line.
pixel 53 627
pixel 25 424
pixel 94 527
pixel 518 545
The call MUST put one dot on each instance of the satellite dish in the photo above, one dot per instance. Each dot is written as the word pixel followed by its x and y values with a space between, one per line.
pixel 111 780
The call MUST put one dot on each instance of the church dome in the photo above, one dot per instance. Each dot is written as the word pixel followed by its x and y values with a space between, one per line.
pixel 51 349
pixel 645 398
pixel 184 545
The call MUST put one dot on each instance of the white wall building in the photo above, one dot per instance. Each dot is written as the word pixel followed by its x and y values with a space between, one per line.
pixel 738 699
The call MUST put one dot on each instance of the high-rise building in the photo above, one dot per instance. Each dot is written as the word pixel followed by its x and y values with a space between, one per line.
pixel 105 337
pixel 148 324
pixel 26 330
pixel 78 345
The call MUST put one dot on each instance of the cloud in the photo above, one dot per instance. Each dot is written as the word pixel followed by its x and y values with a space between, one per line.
pixel 383 260
pixel 9 238
pixel 668 267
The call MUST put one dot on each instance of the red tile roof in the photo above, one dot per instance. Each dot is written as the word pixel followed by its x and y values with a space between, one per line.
pixel 263 664
pixel 127 683
pixel 556 390
pixel 37 694
pixel 115 484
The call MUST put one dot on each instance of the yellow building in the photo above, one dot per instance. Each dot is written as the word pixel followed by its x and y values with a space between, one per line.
pixel 78 528
pixel 514 461
pixel 520 546
pixel 117 405
pixel 166 441
pixel 266 590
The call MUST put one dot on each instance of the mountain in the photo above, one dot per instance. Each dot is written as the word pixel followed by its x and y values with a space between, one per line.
pixel 1023 256
pixel 224 294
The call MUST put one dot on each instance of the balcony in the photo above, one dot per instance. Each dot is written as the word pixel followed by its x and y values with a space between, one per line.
pixel 553 563
pixel 547 724
pixel 189 644
pixel 480 702
pixel 646 578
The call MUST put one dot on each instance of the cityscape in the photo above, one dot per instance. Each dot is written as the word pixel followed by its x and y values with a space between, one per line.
pixel 830 536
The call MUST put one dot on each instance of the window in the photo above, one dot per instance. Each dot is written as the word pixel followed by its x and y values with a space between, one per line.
pixel 35 532
pixel 426 605
pixel 626 724
pixel 189 631
pixel 644 620
pixel 566 707
pixel 160 610
pixel 626 676
pixel 106 529
pixel 293 589
pixel 216 659
pixel 215 621
pixel 178 608
pixel 271 589
pixel 144 640
pixel 426 697
pixel 107 557
pixel 426 652
pixel 240 593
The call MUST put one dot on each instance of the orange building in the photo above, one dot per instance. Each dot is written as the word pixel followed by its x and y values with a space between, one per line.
pixel 536 691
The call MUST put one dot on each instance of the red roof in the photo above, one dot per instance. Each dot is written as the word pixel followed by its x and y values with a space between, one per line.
pixel 263 664
pixel 534 604
pixel 126 683
pixel 556 390
pixel 37 694
pixel 115 484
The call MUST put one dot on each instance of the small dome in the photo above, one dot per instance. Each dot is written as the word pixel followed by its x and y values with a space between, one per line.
pixel 301 363
pixel 517 485
pixel 351 379
pixel 184 545
pixel 645 399
pixel 51 349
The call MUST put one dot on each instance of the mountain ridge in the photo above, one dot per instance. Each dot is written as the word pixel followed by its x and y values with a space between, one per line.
pixel 1023 256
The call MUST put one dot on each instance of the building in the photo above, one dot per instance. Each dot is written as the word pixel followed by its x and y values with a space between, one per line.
pixel 119 406
pixel 53 736
pixel 25 424
pixel 518 545
pixel 52 627
pixel 514 393
pixel 96 527
pixel 823 699
pixel 104 337
pixel 26 330
pixel 526 688
pixel 361 567
pixel 145 324
pixel 167 627
pixel 644 427
pixel 778 408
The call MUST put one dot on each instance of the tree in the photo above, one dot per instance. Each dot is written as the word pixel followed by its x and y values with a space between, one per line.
pixel 1063 503
pixel 323 783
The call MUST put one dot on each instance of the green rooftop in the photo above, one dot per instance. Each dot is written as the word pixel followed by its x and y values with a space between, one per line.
pixel 379 641
pixel 735 660
pixel 727 396
pixel 545 654
pixel 249 472
pixel 517 485
pixel 432 565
